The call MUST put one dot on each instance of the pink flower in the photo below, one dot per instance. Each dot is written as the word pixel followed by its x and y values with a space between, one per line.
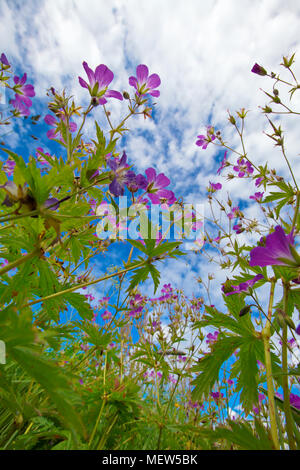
pixel 98 83
pixel 24 91
pixel 257 197
pixel 258 181
pixel 143 83
pixel 243 167
pixel 214 187
pixel 55 133
pixel 9 166
pixel 204 140
pixel 216 396
pixel 106 315
pixel 212 338
pixel 234 212
pixel 223 164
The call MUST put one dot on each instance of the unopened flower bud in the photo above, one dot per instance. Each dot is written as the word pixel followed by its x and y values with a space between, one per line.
pixel 244 310
pixel 259 70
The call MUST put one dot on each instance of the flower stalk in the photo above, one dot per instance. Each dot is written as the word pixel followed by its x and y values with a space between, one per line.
pixel 266 334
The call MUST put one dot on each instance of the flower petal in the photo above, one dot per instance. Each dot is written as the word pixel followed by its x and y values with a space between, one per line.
pixel 142 73
pixel 153 81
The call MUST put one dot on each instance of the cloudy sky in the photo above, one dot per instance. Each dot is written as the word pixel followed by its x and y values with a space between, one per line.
pixel 203 52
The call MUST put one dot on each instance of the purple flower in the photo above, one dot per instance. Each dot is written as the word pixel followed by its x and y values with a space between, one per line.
pixel 136 305
pixel 234 212
pixel 25 91
pixel 204 140
pixel 244 286
pixel 298 329
pixel 292 343
pixel 295 400
pixel 216 396
pixel 172 379
pixel 122 176
pixel 98 83
pixel 143 83
pixel 212 338
pixel 258 69
pixel 243 167
pixel 276 250
pixel 258 181
pixel 9 166
pixel 20 108
pixel 223 164
pixel 137 182
pixel 104 302
pixel 214 186
pixel 51 121
pixel 4 60
pixel 156 188
pixel 106 315
pixel 238 228
pixel 257 196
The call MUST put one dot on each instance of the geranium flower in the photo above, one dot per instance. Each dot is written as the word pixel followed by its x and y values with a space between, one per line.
pixel 8 167
pixel 295 400
pixel 238 228
pixel 214 186
pixel 223 164
pixel 243 286
pixel 212 338
pixel 156 188
pixel 20 108
pixel 106 315
pixel 98 83
pixel 278 249
pixel 143 83
pixel 25 92
pixel 136 305
pixel 258 182
pixel 243 167
pixel 204 140
pixel 257 196
pixel 234 212
pixel 51 121
pixel 122 176
pixel 216 396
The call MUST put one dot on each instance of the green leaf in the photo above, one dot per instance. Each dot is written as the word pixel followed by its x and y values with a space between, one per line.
pixel 244 436
pixel 209 366
pixel 54 383
pixel 79 302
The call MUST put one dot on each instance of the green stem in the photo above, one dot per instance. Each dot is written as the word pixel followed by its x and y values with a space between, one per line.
pixel 296 209
pixel 290 168
pixel 102 407
pixel 85 284
pixel 266 334
pixel 285 384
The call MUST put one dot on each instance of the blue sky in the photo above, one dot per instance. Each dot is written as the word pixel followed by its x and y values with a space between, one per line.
pixel 203 52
